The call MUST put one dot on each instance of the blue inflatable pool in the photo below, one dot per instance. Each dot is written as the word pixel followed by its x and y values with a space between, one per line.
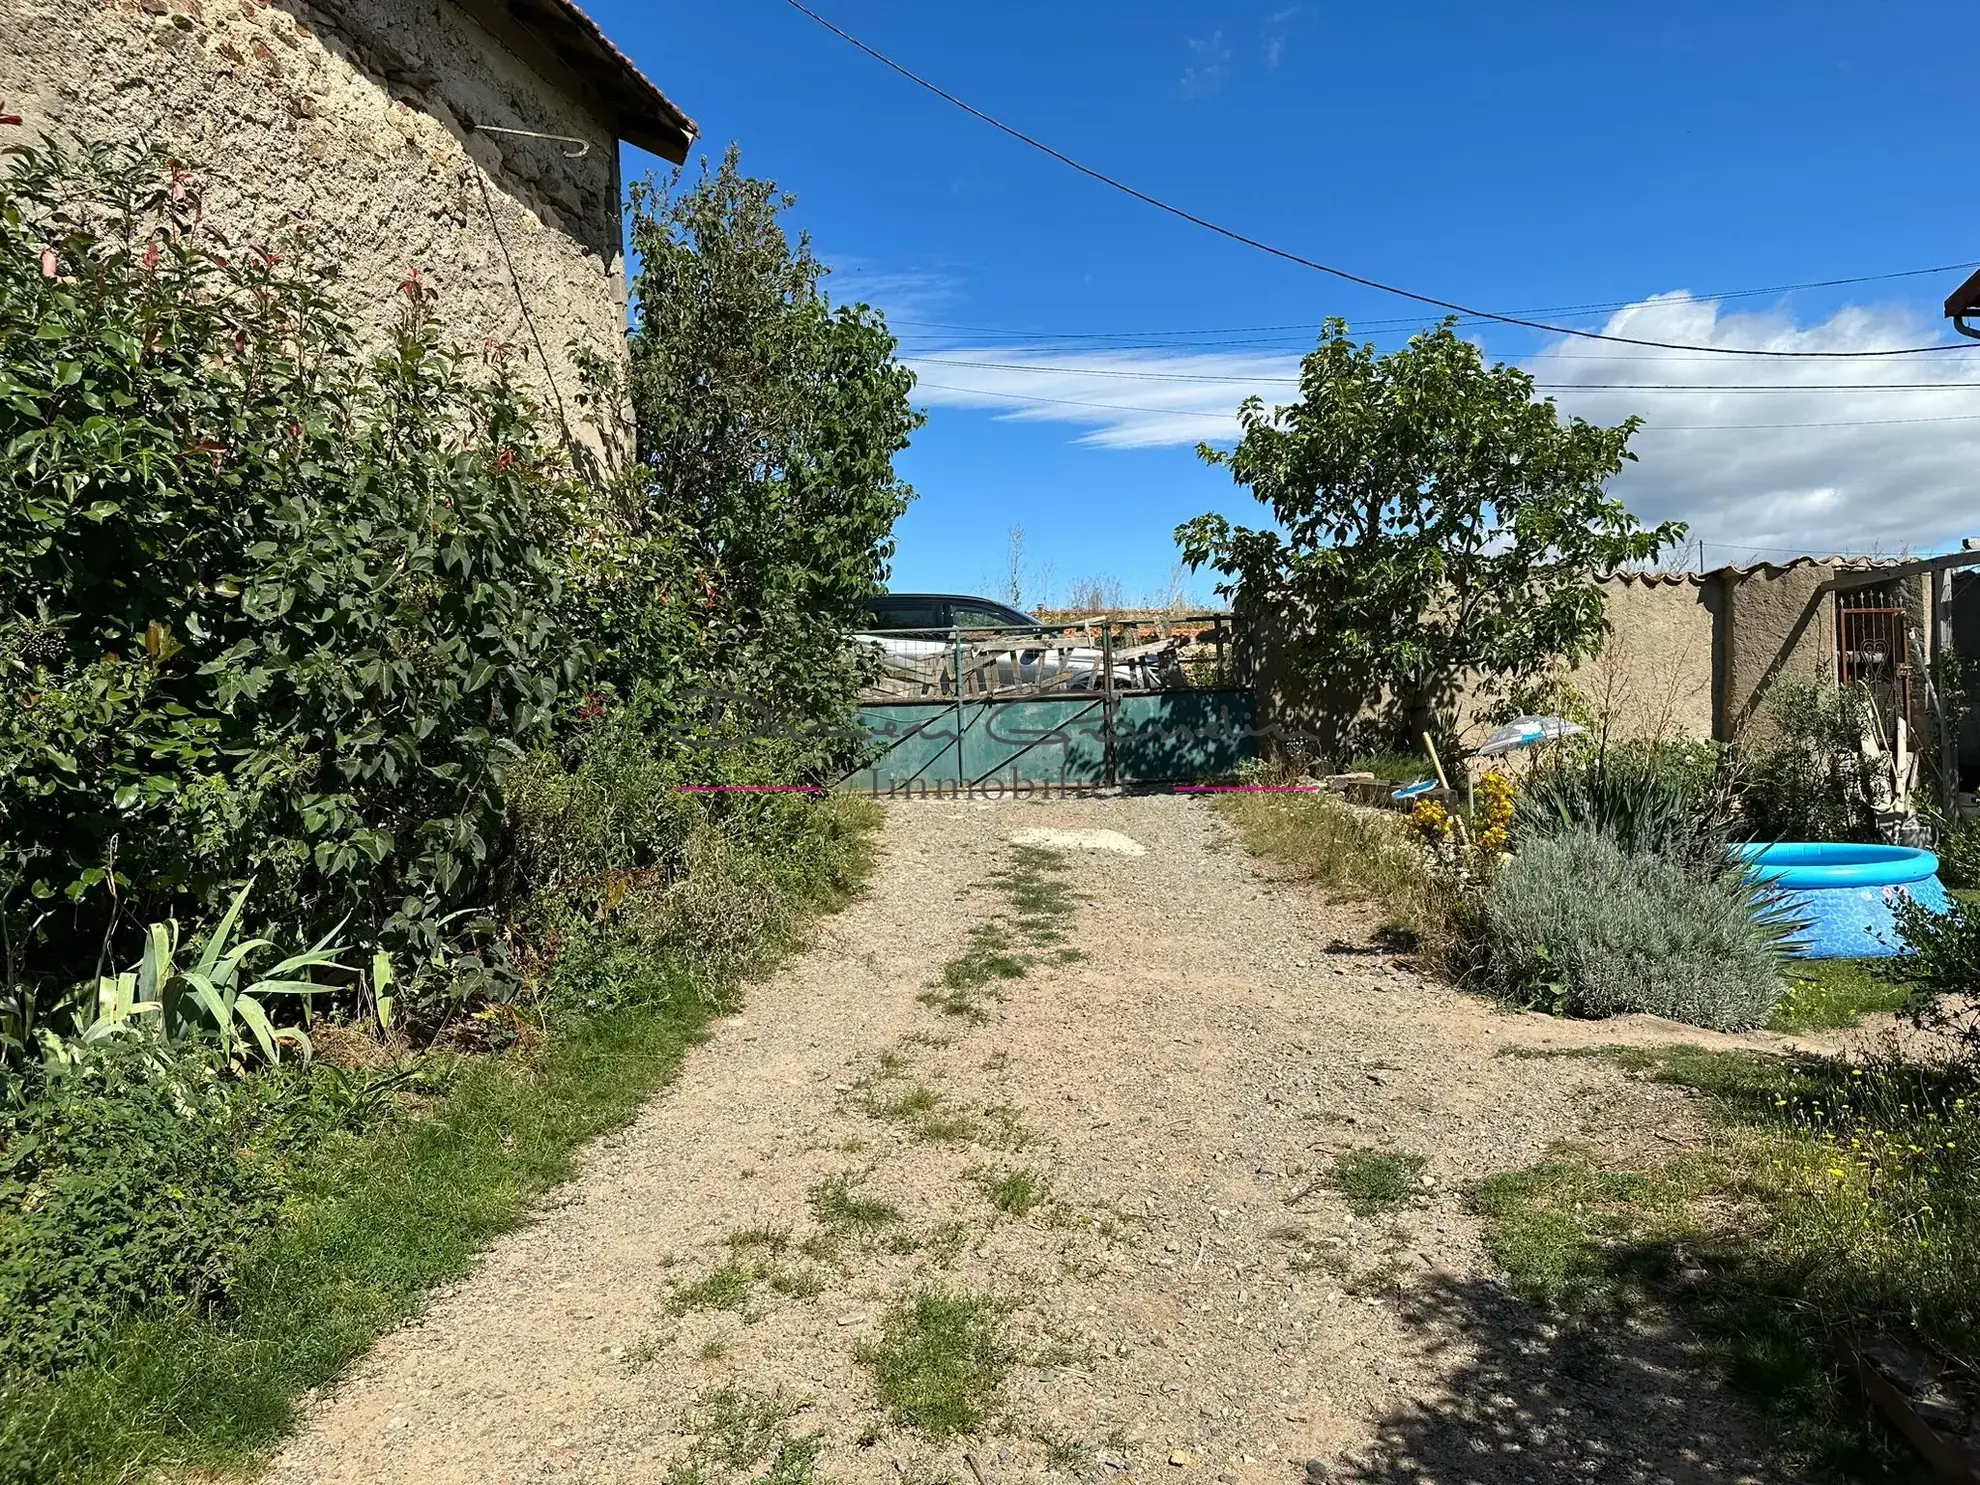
pixel 1845 893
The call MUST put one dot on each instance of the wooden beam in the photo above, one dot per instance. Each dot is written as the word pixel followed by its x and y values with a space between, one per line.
pixel 1871 577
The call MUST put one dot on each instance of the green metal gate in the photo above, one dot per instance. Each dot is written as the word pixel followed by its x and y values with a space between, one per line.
pixel 1031 709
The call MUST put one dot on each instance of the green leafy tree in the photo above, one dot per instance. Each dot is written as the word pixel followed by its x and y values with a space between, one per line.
pixel 757 516
pixel 1434 522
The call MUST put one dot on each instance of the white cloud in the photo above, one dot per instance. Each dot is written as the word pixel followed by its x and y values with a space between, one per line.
pixel 1276 32
pixel 1883 465
pixel 1205 76
pixel 1124 399
pixel 1889 467
pixel 901 292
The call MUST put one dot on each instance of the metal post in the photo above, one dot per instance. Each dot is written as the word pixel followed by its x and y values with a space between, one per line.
pixel 1107 700
pixel 955 636
pixel 1942 649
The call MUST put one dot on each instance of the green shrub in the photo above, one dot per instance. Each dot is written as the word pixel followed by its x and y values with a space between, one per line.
pixel 1809 781
pixel 1577 925
pixel 269 607
pixel 1942 966
pixel 1959 853
pixel 1658 799
pixel 121 1186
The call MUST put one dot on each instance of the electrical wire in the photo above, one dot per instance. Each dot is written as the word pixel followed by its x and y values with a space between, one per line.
pixel 1222 417
pixel 1302 261
pixel 1376 327
pixel 1212 379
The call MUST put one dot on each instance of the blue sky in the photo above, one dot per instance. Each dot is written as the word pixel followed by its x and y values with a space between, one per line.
pixel 1511 157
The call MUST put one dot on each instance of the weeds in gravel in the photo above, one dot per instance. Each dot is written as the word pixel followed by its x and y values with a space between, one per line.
pixel 929 1117
pixel 1013 943
pixel 923 1113
pixel 737 1433
pixel 770 1239
pixel 727 1287
pixel 946 1242
pixel 841 1210
pixel 942 1363
pixel 732 1286
pixel 1360 855
pixel 1372 1182
pixel 641 1354
pixel 1016 1193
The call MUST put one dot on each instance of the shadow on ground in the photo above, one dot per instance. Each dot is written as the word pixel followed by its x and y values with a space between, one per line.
pixel 1532 1396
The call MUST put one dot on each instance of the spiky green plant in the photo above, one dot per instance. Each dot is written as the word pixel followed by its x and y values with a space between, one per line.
pixel 1651 799
pixel 213 996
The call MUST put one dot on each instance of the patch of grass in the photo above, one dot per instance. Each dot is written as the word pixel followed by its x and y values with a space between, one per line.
pixel 918 1109
pixel 1013 943
pixel 942 1363
pixel 372 1231
pixel 735 1430
pixel 1558 1230
pixel 1835 994
pixel 1067 1455
pixel 732 1286
pixel 1016 1193
pixel 1366 855
pixel 713 1349
pixel 375 1224
pixel 1363 855
pixel 843 1212
pixel 726 1287
pixel 1372 1182
pixel 769 1239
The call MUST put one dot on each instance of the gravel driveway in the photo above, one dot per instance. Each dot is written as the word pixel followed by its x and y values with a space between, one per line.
pixel 1191 1303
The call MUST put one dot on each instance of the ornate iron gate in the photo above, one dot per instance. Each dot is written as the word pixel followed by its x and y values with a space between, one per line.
pixel 1873 649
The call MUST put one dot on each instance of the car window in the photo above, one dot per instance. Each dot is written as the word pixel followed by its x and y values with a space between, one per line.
pixel 985 615
pixel 907 613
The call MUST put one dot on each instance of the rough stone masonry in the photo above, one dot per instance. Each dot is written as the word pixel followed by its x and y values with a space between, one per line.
pixel 364 124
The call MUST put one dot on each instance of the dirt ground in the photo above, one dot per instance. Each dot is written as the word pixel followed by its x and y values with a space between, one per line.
pixel 1191 1304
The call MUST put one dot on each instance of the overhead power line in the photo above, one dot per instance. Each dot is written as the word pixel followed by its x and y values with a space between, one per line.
pixel 1224 417
pixel 1301 260
pixel 1210 378
pixel 1373 327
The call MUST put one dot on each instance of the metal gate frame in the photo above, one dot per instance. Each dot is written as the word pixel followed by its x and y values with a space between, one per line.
pixel 1102 734
pixel 1873 650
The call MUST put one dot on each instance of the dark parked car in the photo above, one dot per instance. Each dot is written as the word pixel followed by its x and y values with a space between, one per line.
pixel 892 612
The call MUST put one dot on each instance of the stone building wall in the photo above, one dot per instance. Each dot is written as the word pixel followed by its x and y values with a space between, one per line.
pixel 349 121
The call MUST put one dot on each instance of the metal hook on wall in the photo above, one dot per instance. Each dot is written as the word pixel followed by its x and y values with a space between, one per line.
pixel 583 145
